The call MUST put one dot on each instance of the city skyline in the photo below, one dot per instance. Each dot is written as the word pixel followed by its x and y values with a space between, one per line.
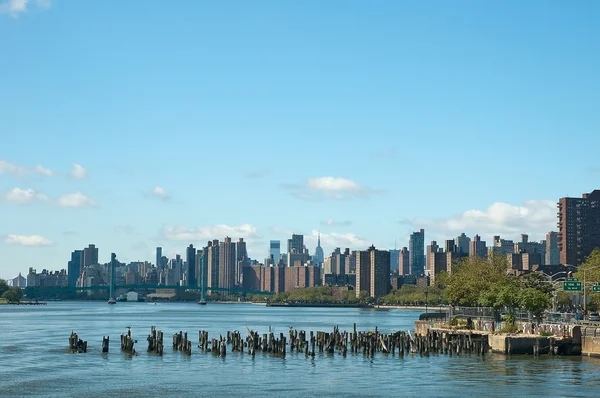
pixel 195 123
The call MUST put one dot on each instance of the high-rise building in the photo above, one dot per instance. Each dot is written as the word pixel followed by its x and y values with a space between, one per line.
pixel 449 246
pixel 431 248
pixel 351 262
pixel 416 249
pixel 501 246
pixel 227 264
pixel 74 267
pixel 275 251
pixel 478 247
pixel 90 255
pixel 158 257
pixel 527 246
pixel 319 256
pixel 462 243
pixel 394 260
pixel 296 244
pixel 363 272
pixel 578 227
pixel 212 264
pixel 241 260
pixel 404 262
pixel 190 260
pixel 552 253
pixel 380 272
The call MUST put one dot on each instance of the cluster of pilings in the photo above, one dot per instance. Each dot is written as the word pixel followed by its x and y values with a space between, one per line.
pixel 127 342
pixel 442 342
pixel 181 343
pixel 340 342
pixel 76 345
pixel 155 341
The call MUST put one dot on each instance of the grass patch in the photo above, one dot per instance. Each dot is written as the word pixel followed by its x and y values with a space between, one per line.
pixel 3 301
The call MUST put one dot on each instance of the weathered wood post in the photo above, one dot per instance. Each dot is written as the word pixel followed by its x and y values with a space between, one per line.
pixel 105 343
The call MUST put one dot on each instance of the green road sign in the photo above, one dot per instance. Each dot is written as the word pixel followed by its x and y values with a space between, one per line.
pixel 572 279
pixel 596 289
pixel 572 286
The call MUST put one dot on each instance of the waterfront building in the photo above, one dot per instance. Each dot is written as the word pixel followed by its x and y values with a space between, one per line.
pixel 74 267
pixel 552 253
pixel 227 264
pixel 578 227
pixel 190 262
pixel 416 249
pixel 437 263
pixel 363 272
pixel 339 280
pixel 47 278
pixel 380 272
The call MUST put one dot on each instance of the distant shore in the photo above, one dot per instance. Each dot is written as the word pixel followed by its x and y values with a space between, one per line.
pixel 429 308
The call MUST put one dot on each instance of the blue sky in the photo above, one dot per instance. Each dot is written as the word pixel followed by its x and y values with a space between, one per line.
pixel 193 120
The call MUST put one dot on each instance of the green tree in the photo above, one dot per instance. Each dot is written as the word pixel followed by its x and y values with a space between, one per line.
pixel 473 276
pixel 534 300
pixel 592 263
pixel 3 286
pixel 13 295
pixel 537 281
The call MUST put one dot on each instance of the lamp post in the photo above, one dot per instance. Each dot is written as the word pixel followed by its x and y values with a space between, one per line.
pixel 552 282
pixel 426 301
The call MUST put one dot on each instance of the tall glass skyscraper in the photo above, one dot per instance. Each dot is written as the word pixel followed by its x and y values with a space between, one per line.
pixel 416 249
pixel 275 251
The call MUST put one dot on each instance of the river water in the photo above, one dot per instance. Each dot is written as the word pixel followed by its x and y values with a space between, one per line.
pixel 34 359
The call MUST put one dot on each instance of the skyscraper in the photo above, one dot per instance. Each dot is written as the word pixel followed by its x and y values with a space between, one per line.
pixel 462 243
pixel 227 264
pixel 552 253
pixel 74 267
pixel 404 262
pixel 319 257
pixel 478 247
pixel 578 227
pixel 363 272
pixel 275 251
pixel 241 260
pixel 158 257
pixel 394 260
pixel 90 255
pixel 296 244
pixel 416 249
pixel 380 272
pixel 190 259
pixel 212 264
pixel 431 248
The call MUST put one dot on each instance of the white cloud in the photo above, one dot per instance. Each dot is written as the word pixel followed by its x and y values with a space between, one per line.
pixel 28 240
pixel 332 223
pixel 160 193
pixel 206 233
pixel 16 7
pixel 317 188
pixel 78 172
pixel 535 217
pixel 23 196
pixel 76 199
pixel 20 171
